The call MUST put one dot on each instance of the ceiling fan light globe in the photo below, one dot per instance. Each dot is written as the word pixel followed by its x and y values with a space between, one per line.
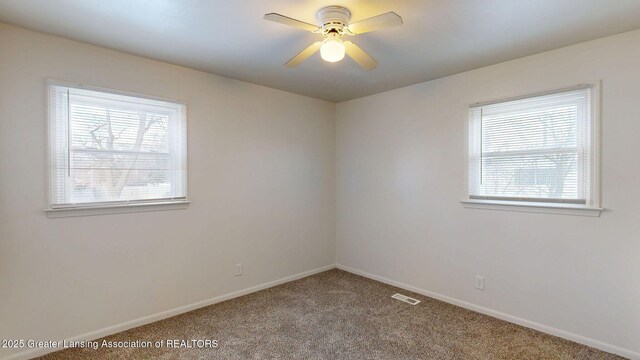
pixel 332 50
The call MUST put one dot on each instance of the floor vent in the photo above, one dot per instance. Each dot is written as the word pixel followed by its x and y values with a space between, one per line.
pixel 406 299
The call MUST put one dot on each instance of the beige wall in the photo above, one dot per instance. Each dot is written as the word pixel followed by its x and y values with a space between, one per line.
pixel 401 174
pixel 261 182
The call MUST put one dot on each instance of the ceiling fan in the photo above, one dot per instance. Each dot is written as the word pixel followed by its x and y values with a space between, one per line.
pixel 333 23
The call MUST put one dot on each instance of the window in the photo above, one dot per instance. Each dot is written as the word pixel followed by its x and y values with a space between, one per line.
pixel 536 149
pixel 110 149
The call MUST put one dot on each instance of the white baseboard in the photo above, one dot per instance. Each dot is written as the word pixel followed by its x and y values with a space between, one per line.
pixel 167 314
pixel 500 315
pixel 481 309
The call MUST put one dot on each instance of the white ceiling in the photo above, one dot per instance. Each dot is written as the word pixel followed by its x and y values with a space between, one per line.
pixel 230 38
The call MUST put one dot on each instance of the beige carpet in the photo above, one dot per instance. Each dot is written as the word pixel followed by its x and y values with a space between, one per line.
pixel 338 315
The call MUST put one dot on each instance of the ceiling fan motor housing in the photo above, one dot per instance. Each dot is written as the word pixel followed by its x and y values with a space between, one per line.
pixel 333 19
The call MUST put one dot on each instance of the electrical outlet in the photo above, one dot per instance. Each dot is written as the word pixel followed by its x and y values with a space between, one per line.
pixel 479 282
pixel 238 269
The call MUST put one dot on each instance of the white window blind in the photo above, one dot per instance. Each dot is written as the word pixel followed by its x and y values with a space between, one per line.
pixel 536 149
pixel 109 148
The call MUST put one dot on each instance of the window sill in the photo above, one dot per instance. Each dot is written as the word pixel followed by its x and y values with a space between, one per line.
pixel 560 209
pixel 115 209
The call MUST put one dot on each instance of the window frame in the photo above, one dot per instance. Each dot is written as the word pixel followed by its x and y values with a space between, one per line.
pixel 53 210
pixel 593 201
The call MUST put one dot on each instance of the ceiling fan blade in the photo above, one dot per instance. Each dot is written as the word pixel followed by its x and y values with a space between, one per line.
pixel 374 23
pixel 290 21
pixel 358 55
pixel 304 55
